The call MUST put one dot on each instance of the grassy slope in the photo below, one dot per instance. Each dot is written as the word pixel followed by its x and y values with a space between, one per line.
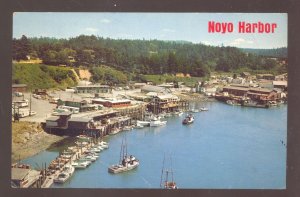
pixel 42 76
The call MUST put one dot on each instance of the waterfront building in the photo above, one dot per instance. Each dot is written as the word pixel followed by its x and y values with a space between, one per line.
pixel 236 91
pixel 280 84
pixel 266 76
pixel 60 121
pixel 163 103
pixel 260 94
pixel 25 178
pixel 114 103
pixel 80 123
pixel 82 105
pixel 266 84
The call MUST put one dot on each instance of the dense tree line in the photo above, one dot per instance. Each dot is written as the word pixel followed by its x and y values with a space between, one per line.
pixel 138 56
pixel 278 52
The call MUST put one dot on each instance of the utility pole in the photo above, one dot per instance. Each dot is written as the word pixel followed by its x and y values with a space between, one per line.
pixel 30 102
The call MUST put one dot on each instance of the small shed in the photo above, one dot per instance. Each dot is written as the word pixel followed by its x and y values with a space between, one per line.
pixel 19 88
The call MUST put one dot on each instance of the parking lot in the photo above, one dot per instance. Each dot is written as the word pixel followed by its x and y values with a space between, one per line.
pixel 44 108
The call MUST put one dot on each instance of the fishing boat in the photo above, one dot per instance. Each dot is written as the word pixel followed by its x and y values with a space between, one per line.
pixel 126 162
pixel 143 123
pixel 156 123
pixel 138 126
pixel 203 109
pixel 167 177
pixel 66 173
pixel 189 119
pixel 80 164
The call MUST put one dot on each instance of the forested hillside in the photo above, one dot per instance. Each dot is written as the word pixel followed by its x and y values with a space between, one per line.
pixel 135 57
pixel 279 52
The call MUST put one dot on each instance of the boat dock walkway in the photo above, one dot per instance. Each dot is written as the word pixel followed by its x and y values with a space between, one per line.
pixel 77 152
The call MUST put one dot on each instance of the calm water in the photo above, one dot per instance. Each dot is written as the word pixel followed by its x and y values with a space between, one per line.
pixel 226 147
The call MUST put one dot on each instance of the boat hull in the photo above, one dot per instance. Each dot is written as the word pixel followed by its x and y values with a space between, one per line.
pixel 115 169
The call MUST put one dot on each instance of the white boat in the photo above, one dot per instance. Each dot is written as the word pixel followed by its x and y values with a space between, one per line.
pixel 88 158
pixel 194 110
pixel 204 109
pixel 156 123
pixel 66 173
pixel 138 126
pixel 80 164
pixel 95 149
pixel 168 115
pixel 143 123
pixel 189 119
pixel 102 145
pixel 126 162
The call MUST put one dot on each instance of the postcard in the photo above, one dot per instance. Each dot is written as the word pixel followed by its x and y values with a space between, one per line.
pixel 158 100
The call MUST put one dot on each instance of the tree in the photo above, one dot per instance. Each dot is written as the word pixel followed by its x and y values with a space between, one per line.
pixel 172 63
pixel 21 48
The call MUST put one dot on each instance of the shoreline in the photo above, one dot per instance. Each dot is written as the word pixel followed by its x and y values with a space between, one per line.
pixel 29 139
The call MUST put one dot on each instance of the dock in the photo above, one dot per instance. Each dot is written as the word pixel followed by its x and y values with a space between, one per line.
pixel 55 167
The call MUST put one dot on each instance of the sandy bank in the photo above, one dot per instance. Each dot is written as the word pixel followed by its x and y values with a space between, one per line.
pixel 29 139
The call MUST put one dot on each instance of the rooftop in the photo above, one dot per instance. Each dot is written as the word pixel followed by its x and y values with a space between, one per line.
pixel 236 88
pixel 52 118
pixel 19 173
pixel 167 96
pixel 281 83
pixel 80 119
pixel 112 100
pixel 92 86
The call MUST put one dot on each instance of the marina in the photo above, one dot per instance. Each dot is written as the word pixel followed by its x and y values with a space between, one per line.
pixel 222 143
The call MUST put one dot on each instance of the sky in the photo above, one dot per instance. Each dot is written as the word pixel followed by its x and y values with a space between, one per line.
pixel 191 27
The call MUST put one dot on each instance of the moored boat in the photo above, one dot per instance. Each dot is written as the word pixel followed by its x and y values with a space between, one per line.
pixel 126 162
pixel 203 109
pixel 80 164
pixel 143 123
pixel 66 173
pixel 156 123
pixel 167 174
pixel 189 119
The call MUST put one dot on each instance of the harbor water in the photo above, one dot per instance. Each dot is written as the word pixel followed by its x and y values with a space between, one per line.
pixel 226 147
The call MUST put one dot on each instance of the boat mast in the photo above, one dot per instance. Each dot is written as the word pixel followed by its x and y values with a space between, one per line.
pixel 121 153
pixel 125 145
pixel 162 171
pixel 171 169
